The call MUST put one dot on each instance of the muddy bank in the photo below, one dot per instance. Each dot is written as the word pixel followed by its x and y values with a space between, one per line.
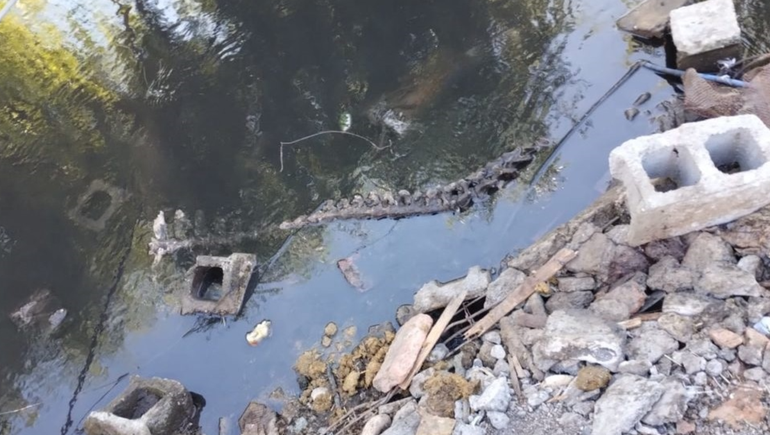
pixel 669 337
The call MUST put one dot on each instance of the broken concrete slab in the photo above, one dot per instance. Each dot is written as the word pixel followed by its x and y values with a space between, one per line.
pixel 671 406
pixel 258 419
pixel 509 280
pixel 623 405
pixel 625 298
pixel 693 156
pixel 217 285
pixel 705 33
pixel 579 335
pixel 42 311
pixel 650 343
pixel 434 295
pixel 687 303
pixel 669 276
pixel 725 281
pixel 707 249
pixel 649 20
pixel 153 406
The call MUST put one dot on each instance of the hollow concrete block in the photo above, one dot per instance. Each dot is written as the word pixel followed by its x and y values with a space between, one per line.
pixel 705 33
pixel 695 176
pixel 217 285
pixel 153 406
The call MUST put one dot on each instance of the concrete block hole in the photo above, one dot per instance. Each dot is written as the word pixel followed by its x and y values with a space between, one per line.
pixel 137 404
pixel 96 205
pixel 735 151
pixel 207 283
pixel 671 168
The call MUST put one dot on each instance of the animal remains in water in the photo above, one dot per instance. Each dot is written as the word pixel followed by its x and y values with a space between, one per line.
pixel 455 196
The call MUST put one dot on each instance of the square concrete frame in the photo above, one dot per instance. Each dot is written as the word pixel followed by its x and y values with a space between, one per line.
pixel 705 33
pixel 691 156
pixel 236 273
pixel 117 197
pixel 152 406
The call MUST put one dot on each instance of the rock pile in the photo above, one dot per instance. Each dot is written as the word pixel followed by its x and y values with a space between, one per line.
pixel 669 337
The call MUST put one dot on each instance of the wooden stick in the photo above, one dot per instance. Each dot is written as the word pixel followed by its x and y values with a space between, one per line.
pixel 637 321
pixel 515 367
pixel 522 293
pixel 434 335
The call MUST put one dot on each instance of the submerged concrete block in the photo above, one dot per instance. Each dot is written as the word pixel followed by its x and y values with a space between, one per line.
pixel 695 176
pixel 217 285
pixel 97 205
pixel 650 19
pixel 705 33
pixel 152 406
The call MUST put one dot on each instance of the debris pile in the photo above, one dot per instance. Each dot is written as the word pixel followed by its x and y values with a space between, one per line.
pixel 667 337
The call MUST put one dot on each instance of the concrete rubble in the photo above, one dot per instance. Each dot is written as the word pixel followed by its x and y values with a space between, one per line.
pixel 650 18
pixel 218 285
pixel 705 33
pixel 611 363
pixel 153 406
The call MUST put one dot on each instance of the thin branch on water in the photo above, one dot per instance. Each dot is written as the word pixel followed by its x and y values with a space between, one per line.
pixel 21 409
pixel 379 148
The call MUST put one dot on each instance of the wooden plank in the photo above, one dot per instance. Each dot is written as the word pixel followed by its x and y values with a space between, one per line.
pixel 637 321
pixel 434 335
pixel 522 293
pixel 516 371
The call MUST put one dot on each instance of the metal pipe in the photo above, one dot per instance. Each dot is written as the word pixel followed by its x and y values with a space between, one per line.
pixel 711 77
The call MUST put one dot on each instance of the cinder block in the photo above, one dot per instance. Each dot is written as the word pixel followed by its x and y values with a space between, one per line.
pixel 152 406
pixel 695 176
pixel 217 285
pixel 705 33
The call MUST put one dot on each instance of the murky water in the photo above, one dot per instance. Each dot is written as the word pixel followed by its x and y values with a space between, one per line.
pixel 182 104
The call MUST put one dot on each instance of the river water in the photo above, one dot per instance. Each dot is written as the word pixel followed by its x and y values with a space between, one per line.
pixel 182 104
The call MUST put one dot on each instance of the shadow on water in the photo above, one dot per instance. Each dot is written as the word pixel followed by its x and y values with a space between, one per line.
pixel 171 104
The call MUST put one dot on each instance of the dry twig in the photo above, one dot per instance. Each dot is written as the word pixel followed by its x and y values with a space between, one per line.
pixel 20 409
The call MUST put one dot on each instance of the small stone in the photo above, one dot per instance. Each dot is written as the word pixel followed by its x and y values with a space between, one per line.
pixel 508 281
pixel 575 284
pixel 404 313
pixel 535 396
pixel 326 341
pixel 330 330
pixel 571 419
pixel 624 404
pixel 624 299
pixel 725 339
pixel 433 295
pixel 679 327
pixel 650 343
pixel 671 406
pixel 685 427
pixel 751 264
pixel 715 367
pixel 635 367
pixel 591 378
pixel 687 304
pixel 707 249
pixel 692 363
pixel 492 337
pixel 594 256
pixel 579 335
pixel 467 429
pixel 700 378
pixel 462 410
pixel 418 382
pixel 495 397
pixel 376 425
pixel 750 354
pixel 439 352
pixel 501 368
pixel 402 353
pixel 725 281
pixel 485 354
pixel 432 425
pixel 584 408
pixel 498 419
pixel 728 355
pixel 756 374
pixel 766 359
pixel 406 420
pixel 672 247
pixel 557 381
pixel 497 352
pixel 702 347
pixel 668 275
pixel 566 301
